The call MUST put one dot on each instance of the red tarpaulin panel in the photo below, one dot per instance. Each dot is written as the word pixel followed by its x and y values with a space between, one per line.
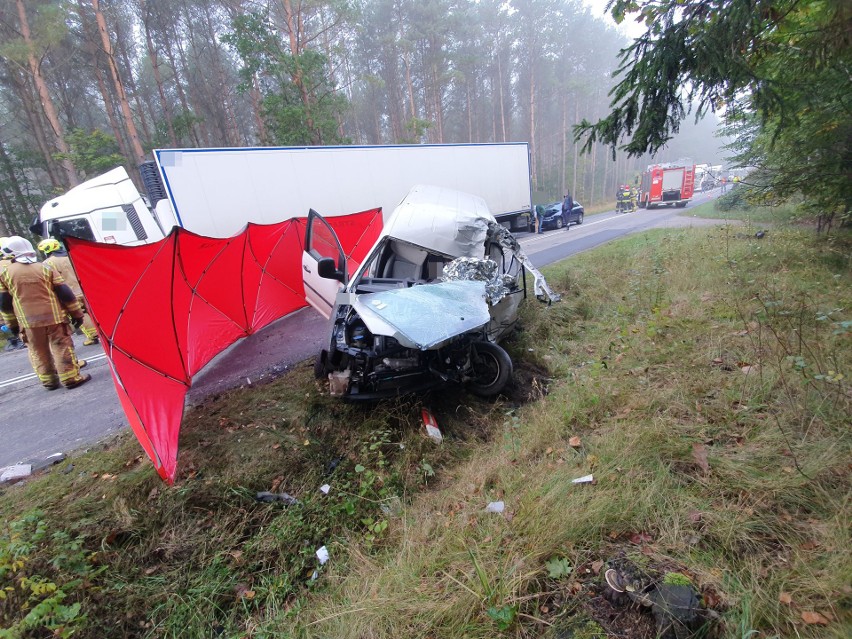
pixel 164 310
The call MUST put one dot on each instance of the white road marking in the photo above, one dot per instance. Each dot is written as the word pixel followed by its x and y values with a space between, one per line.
pixel 24 378
pixel 537 237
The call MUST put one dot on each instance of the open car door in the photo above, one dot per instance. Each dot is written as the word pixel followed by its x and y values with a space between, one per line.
pixel 321 282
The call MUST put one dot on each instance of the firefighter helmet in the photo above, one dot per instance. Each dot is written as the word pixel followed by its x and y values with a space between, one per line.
pixel 21 249
pixel 49 245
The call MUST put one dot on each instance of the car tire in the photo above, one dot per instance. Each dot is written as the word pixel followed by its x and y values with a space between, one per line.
pixel 492 369
pixel 559 223
pixel 580 218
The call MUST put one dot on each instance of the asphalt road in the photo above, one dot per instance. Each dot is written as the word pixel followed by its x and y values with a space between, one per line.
pixel 35 423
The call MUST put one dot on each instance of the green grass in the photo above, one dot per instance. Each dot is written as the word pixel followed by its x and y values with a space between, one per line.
pixel 665 344
pixel 783 215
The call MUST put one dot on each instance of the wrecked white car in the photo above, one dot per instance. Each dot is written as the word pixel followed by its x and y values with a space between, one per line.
pixel 435 294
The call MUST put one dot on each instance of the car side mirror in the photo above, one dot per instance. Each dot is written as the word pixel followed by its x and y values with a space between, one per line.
pixel 327 269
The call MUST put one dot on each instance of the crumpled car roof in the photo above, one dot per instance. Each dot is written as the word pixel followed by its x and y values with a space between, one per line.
pixel 442 220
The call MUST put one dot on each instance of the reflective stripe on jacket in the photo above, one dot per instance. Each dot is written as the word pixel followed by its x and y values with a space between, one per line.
pixel 62 265
pixel 34 299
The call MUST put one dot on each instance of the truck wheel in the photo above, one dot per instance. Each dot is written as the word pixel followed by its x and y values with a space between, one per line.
pixel 492 369
pixel 681 205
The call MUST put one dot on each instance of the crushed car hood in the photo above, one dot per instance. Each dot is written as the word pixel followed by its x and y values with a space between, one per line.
pixel 424 316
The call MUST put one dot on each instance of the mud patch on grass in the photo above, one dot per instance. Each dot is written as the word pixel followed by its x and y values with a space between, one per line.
pixel 529 383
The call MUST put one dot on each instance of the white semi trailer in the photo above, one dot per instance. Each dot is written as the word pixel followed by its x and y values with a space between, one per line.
pixel 216 192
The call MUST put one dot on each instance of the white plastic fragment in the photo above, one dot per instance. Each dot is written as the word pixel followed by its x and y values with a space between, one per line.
pixel 585 479
pixel 495 507
pixel 434 434
pixel 18 471
pixel 322 555
pixel 324 489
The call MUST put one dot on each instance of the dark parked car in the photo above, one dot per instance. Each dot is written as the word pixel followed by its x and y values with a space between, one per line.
pixel 553 215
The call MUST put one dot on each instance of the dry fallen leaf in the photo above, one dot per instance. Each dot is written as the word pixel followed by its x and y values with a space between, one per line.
pixel 596 566
pixel 785 598
pixel 640 538
pixel 699 454
pixel 695 516
pixel 575 442
pixel 711 599
pixel 811 617
pixel 242 591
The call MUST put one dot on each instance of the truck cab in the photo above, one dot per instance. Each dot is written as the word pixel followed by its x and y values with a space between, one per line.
pixel 106 209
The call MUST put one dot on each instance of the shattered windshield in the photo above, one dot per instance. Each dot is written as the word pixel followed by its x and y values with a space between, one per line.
pixel 427 315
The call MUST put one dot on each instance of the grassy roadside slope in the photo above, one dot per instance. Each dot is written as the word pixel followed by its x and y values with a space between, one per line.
pixel 701 373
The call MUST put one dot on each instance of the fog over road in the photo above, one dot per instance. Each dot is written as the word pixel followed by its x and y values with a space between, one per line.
pixel 35 423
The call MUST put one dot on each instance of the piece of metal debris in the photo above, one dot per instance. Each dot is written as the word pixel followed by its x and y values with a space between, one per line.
pixel 266 496
pixel 585 479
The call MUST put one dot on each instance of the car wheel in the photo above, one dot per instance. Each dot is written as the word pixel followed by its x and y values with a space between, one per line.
pixel 559 223
pixel 580 218
pixel 492 369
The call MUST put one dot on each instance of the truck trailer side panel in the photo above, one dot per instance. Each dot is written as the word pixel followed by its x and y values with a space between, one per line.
pixel 215 192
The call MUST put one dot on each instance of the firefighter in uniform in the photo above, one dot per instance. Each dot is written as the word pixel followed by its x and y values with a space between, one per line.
pixel 35 301
pixel 13 342
pixel 58 258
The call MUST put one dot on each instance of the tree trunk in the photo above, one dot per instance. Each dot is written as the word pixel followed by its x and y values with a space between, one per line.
pixel 109 107
pixel 576 149
pixel 293 30
pixel 533 145
pixel 469 114
pixel 412 112
pixel 44 96
pixel 35 116
pixel 158 79
pixel 131 83
pixel 9 169
pixel 564 153
pixel 500 85
pixel 138 155
pixel 254 94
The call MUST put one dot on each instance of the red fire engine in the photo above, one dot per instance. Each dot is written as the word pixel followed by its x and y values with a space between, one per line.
pixel 669 184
